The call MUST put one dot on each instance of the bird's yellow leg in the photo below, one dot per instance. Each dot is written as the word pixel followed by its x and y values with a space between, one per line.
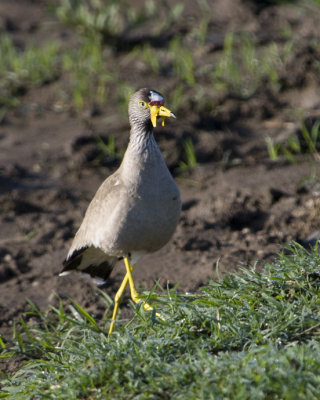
pixel 134 294
pixel 117 299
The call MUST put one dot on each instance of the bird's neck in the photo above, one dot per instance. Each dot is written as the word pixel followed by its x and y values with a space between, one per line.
pixel 142 155
pixel 141 140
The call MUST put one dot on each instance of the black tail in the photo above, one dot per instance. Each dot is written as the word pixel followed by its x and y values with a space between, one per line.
pixel 91 261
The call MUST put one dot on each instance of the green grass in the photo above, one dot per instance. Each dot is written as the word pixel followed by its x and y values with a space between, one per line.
pixel 94 70
pixel 113 20
pixel 241 69
pixel 250 335
pixel 94 17
pixel 82 76
pixel 189 155
pixel 89 79
pixel 307 141
pixel 245 68
pixel 108 152
pixel 20 70
pixel 182 61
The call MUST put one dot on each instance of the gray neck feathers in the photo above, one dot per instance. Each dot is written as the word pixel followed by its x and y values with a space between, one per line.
pixel 142 154
pixel 141 138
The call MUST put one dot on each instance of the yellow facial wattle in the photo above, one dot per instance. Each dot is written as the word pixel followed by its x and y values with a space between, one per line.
pixel 159 111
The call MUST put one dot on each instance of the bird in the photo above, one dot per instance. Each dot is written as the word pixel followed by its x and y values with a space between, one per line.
pixel 135 211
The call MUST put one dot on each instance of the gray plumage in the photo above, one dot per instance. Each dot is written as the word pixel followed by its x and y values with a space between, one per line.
pixel 135 211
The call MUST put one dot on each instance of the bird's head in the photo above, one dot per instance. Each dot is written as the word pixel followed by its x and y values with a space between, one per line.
pixel 146 105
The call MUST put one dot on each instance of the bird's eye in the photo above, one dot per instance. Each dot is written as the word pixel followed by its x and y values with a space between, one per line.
pixel 143 105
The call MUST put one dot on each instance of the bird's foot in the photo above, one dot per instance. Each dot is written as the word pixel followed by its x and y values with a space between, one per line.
pixel 137 299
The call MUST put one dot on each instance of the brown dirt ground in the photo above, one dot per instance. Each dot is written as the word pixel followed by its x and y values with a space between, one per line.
pixel 234 213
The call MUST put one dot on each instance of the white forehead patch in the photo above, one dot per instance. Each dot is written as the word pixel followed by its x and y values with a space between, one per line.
pixel 155 96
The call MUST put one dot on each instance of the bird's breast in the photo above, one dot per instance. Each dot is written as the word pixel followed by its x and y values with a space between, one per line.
pixel 149 205
pixel 152 214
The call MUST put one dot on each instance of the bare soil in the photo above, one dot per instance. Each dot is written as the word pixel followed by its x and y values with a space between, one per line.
pixel 235 211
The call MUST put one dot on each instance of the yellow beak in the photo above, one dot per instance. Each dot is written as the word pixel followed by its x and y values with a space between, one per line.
pixel 159 111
